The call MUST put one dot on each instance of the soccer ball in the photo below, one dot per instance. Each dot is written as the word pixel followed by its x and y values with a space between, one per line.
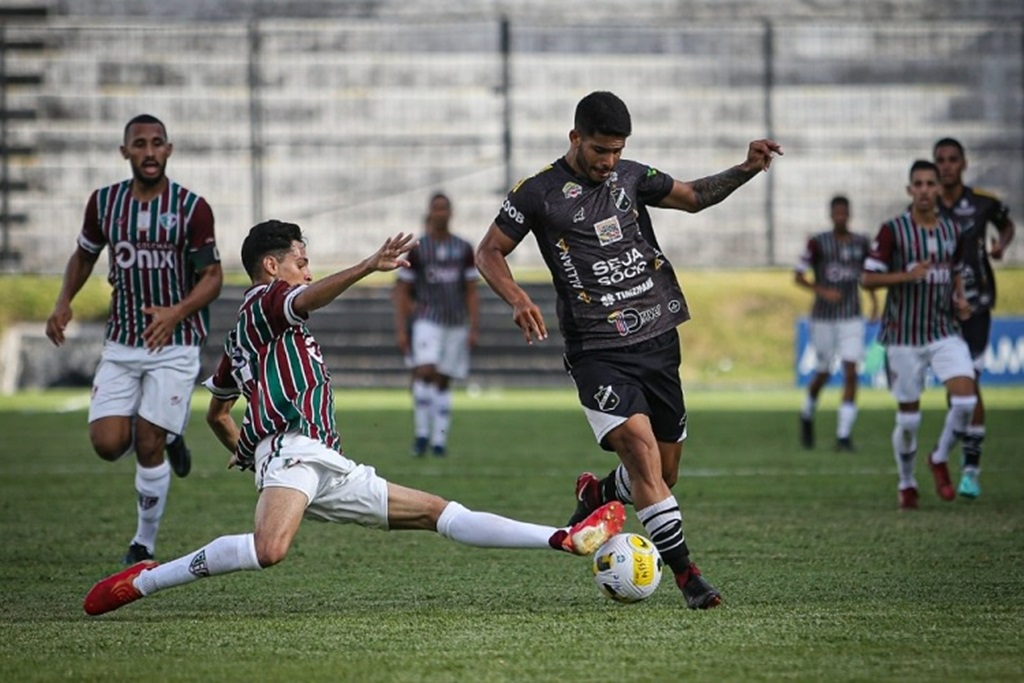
pixel 627 568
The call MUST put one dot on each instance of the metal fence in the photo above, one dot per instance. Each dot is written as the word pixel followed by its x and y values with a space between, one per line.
pixel 348 126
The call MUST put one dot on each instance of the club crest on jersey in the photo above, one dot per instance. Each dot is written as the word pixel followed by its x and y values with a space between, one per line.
pixel 608 231
pixel 572 190
pixel 168 221
pixel 606 398
pixel 621 199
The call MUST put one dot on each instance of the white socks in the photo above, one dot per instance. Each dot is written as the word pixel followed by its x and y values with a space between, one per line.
pixel 221 556
pixel 441 415
pixel 904 446
pixel 487 530
pixel 847 417
pixel 151 487
pixel 958 417
pixel 422 406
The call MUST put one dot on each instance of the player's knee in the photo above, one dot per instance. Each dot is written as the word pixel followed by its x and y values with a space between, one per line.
pixel 108 449
pixel 670 477
pixel 270 552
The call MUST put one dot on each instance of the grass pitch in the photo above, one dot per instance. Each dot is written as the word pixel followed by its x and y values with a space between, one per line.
pixel 823 578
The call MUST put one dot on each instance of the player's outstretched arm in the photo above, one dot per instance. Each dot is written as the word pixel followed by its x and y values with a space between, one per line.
pixel 323 292
pixel 697 195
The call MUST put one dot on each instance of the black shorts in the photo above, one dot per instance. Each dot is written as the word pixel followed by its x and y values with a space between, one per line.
pixel 975 331
pixel 643 378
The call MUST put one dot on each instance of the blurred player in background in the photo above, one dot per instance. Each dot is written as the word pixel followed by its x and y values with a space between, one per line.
pixel 619 304
pixel 836 258
pixel 974 210
pixel 917 256
pixel 289 437
pixel 165 270
pixel 436 322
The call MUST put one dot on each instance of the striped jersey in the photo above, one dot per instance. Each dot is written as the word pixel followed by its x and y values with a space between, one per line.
pixel 155 249
pixel 273 360
pixel 615 287
pixel 440 271
pixel 917 313
pixel 836 262
pixel 974 211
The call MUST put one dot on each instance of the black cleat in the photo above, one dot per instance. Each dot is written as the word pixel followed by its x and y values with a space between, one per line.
pixel 180 456
pixel 419 447
pixel 698 592
pixel 137 553
pixel 845 445
pixel 807 432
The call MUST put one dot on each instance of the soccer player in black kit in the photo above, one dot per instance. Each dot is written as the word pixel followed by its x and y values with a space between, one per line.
pixel 973 210
pixel 619 303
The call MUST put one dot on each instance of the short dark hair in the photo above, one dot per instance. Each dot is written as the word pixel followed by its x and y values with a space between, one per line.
pixel 602 113
pixel 145 119
pixel 439 195
pixel 923 165
pixel 272 237
pixel 837 200
pixel 949 142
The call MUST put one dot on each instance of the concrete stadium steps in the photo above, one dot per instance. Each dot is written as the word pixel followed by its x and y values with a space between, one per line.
pixel 357 335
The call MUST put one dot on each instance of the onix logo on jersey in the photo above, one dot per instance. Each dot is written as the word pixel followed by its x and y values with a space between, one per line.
pixel 629 320
pixel 625 266
pixel 127 255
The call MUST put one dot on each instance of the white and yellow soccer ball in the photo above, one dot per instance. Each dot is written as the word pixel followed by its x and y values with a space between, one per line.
pixel 627 568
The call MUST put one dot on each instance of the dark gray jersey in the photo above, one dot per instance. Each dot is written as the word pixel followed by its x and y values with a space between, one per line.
pixel 615 287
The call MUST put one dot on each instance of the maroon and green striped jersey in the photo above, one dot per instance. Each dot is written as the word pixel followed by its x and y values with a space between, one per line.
pixel 155 250
pixel 836 262
pixel 273 360
pixel 917 313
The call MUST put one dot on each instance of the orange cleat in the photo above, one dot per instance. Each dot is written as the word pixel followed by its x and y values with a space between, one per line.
pixel 116 590
pixel 590 534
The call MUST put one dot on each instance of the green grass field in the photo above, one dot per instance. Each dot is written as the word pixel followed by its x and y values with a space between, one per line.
pixel 823 579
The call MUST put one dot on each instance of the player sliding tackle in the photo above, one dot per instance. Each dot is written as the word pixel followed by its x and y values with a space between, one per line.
pixel 289 437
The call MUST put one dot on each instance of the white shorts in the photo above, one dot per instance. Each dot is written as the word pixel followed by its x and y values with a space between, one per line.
pixel 155 385
pixel 842 339
pixel 444 347
pixel 337 489
pixel 908 366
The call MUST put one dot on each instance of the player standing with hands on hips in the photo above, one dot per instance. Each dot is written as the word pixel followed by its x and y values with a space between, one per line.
pixel 165 270
pixel 619 303
pixel 973 210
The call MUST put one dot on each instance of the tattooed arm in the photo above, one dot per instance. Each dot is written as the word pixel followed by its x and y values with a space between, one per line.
pixel 697 195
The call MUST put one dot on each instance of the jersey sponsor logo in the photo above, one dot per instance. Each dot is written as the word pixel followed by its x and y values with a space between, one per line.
pixel 629 320
pixel 625 266
pixel 513 213
pixel 674 306
pixel 127 255
pixel 938 273
pixel 608 231
pixel 611 298
pixel 568 267
pixel 572 190
pixel 651 172
pixel 579 216
pixel 584 297
pixel 443 274
pixel 606 398
pixel 842 272
pixel 622 201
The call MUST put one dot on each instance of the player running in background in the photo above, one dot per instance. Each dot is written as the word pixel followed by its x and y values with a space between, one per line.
pixel 917 256
pixel 974 210
pixel 436 322
pixel 836 258
pixel 619 303
pixel 289 437
pixel 164 270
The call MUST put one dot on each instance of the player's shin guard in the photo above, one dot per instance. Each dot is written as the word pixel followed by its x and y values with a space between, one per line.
pixel 221 556
pixel 904 446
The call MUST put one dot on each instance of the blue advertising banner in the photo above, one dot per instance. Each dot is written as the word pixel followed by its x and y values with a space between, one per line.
pixel 1004 357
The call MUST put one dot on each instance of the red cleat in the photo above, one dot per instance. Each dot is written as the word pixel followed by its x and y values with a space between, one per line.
pixel 588 497
pixel 943 485
pixel 590 534
pixel 908 499
pixel 116 590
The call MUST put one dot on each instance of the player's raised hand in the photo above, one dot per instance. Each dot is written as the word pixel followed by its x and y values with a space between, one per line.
pixel 389 256
pixel 760 154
